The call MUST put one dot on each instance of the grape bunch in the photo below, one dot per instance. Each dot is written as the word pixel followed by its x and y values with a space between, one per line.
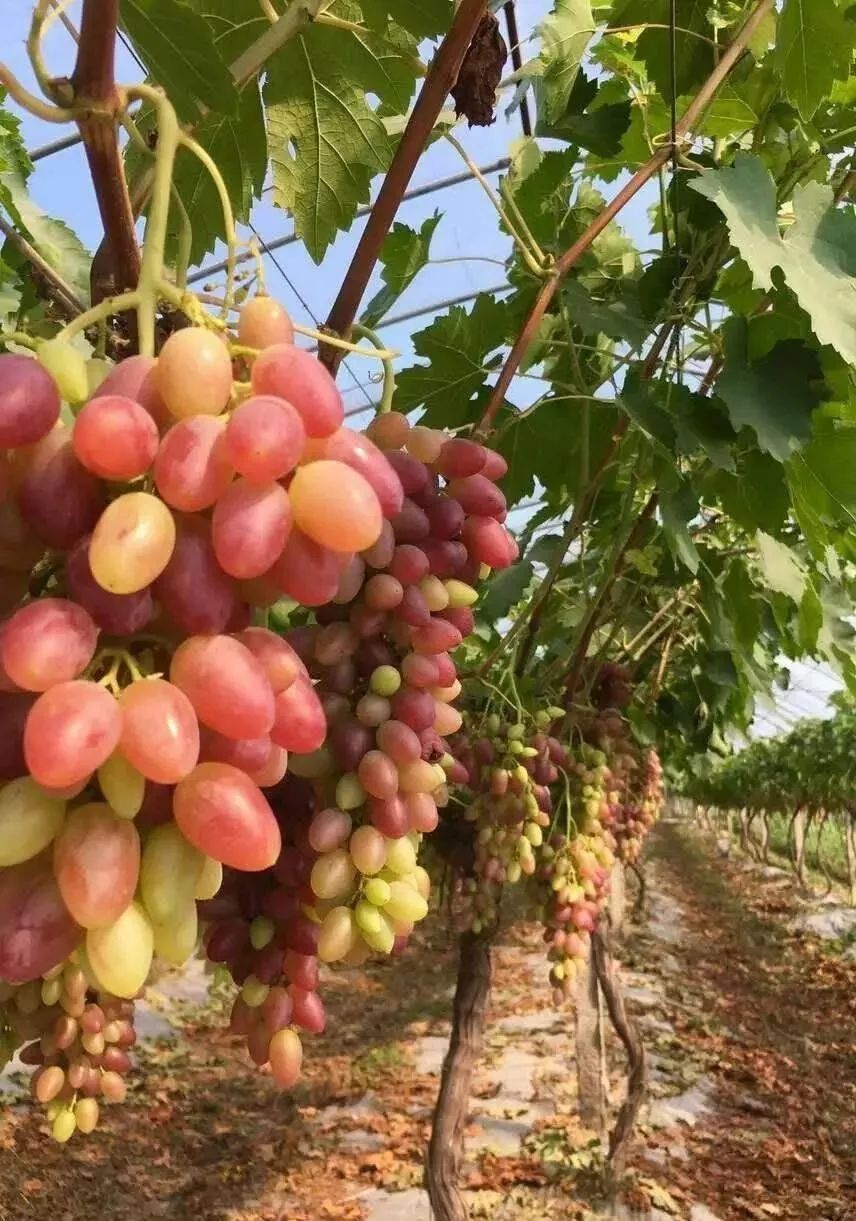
pixel 508 769
pixel 347 881
pixel 77 1038
pixel 146 714
pixel 575 870
pixel 634 785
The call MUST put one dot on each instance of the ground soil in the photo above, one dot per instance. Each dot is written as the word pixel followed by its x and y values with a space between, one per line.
pixel 757 1020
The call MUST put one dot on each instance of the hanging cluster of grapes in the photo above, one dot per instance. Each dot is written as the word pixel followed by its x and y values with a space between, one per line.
pixel 77 1038
pixel 348 881
pixel 146 722
pixel 634 783
pixel 508 770
pixel 575 867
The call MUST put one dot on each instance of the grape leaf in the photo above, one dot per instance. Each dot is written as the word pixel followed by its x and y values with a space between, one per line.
pixel 743 613
pixel 564 37
pixel 238 146
pixel 237 143
pixel 13 157
pixel 639 400
pixel 381 58
pixel 543 447
pixel 677 508
pixel 596 117
pixel 781 568
pixel 756 496
pixel 830 459
pixel 55 241
pixel 456 345
pixel 422 18
pixel 505 590
pixel 776 395
pixel 177 46
pixel 701 423
pixel 403 255
pixel 543 193
pixel 817 256
pixel 809 618
pixel 695 52
pixel 728 114
pixel 326 141
pixel 814 45
pixel 10 295
pixel 615 319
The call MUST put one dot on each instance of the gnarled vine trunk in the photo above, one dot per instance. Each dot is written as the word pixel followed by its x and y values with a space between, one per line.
pixel 764 841
pixel 850 840
pixel 446 1148
pixel 590 1051
pixel 637 1065
pixel 799 826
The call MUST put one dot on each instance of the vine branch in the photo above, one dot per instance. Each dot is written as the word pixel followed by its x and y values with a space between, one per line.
pixel 441 76
pixel 97 103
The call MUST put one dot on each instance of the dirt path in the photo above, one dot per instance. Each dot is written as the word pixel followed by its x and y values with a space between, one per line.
pixel 751 1115
pixel 773 1012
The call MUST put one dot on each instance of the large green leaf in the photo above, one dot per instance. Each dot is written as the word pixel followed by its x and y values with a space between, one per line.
pixel 456 346
pixel 544 447
pixel 756 496
pixel 616 319
pixel 237 142
pixel 695 51
pixel 55 241
pixel 326 139
pixel 596 117
pixel 817 255
pixel 542 193
pixel 813 49
pixel 14 158
pixel 677 509
pixel 781 568
pixel 403 255
pixel 422 18
pixel 564 37
pixel 830 459
pixel 177 45
pixel 776 395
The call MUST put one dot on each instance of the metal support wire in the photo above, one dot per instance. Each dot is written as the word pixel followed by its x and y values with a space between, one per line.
pixel 409 315
pixel 428 188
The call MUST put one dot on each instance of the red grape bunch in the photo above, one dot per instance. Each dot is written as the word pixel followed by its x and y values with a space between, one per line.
pixel 142 717
pixel 347 881
pixel 508 769
pixel 634 794
pixel 575 870
pixel 78 1040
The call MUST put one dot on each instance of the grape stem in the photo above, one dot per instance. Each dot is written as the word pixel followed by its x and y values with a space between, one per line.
pixel 24 341
pixel 366 332
pixel 198 151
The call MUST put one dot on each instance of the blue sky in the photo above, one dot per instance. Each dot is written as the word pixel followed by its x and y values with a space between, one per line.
pixel 466 241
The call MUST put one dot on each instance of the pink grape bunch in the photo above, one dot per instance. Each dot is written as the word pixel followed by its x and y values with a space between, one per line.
pixel 508 770
pixel 347 882
pixel 381 655
pixel 634 784
pixel 148 724
pixel 574 870
pixel 143 719
pixel 77 1039
pixel 257 926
